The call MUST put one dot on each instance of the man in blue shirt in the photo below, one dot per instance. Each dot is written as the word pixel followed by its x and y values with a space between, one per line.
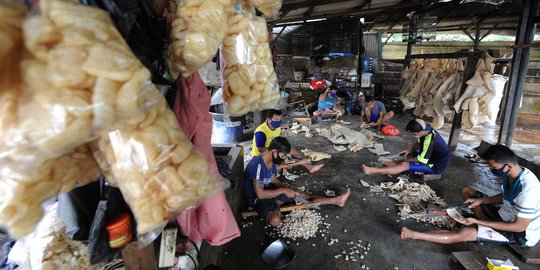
pixel 327 99
pixel 374 112
pixel 266 194
pixel 429 155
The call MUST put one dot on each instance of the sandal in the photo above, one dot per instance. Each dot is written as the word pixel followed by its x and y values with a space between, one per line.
pixel 469 156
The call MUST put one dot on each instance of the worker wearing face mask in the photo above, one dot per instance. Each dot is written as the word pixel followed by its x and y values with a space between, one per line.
pixel 429 155
pixel 516 220
pixel 270 129
pixel 326 105
pixel 266 194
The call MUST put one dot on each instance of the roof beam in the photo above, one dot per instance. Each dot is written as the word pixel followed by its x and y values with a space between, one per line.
pixel 489 32
pixel 306 3
pixel 358 11
pixel 279 35
pixel 281 16
pixel 466 32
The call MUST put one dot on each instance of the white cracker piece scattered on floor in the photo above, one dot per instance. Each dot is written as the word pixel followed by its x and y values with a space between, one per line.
pixel 316 156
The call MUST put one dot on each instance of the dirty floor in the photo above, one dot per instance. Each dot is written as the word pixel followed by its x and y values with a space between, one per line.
pixel 367 216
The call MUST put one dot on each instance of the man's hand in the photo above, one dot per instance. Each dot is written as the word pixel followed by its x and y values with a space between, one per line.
pixel 474 202
pixel 406 151
pixel 289 192
pixel 468 221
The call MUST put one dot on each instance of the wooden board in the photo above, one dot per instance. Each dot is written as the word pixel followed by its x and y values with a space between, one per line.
pixel 470 260
pixel 304 121
pixel 136 258
pixel 530 255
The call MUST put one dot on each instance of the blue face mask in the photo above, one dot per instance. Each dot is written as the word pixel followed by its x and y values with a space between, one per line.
pixel 275 124
pixel 333 94
pixel 500 171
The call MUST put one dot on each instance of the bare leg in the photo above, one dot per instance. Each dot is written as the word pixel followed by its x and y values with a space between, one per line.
pixel 338 200
pixel 317 113
pixel 311 168
pixel 467 193
pixel 441 236
pixel 387 116
pixel 329 112
pixel 401 167
pixel 367 113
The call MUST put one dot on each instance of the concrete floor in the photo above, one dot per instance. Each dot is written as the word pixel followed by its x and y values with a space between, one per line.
pixel 369 219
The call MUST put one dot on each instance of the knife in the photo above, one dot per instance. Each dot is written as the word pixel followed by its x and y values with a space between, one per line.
pixel 299 200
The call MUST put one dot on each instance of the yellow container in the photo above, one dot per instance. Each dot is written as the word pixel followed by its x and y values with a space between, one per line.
pixel 500 265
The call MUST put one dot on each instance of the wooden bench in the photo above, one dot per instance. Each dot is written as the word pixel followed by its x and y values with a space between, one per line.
pixel 529 255
pixel 470 260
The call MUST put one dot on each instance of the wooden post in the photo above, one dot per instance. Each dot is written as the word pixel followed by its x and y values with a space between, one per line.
pixel 139 258
pixel 520 62
pixel 456 121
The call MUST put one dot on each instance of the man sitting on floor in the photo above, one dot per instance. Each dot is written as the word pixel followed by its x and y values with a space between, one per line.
pixel 326 105
pixel 271 129
pixel 265 193
pixel 429 155
pixel 374 112
pixel 518 219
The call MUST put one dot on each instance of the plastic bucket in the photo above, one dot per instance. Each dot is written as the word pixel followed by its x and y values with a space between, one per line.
pixel 119 230
pixel 226 131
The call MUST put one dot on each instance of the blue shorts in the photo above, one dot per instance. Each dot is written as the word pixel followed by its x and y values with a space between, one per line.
pixel 374 118
pixel 417 167
pixel 265 206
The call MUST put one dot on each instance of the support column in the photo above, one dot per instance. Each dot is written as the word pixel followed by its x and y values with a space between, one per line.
pixel 453 140
pixel 410 41
pixel 477 38
pixel 520 62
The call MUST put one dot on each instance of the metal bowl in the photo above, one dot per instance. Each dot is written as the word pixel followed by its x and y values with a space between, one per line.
pixel 278 254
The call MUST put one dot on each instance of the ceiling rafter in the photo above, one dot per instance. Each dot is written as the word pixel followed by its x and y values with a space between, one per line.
pixel 360 11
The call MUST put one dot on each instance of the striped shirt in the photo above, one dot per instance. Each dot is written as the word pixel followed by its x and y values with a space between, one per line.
pixel 522 199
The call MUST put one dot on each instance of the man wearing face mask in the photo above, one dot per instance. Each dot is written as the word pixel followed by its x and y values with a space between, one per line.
pixel 327 100
pixel 429 155
pixel 518 219
pixel 266 194
pixel 270 129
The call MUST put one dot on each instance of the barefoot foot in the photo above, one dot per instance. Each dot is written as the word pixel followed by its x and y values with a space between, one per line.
pixel 314 168
pixel 406 233
pixel 367 170
pixel 342 199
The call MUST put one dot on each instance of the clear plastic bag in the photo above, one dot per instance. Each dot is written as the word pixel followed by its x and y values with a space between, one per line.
pixel 267 7
pixel 250 80
pixel 156 168
pixel 49 247
pixel 197 31
pixel 77 79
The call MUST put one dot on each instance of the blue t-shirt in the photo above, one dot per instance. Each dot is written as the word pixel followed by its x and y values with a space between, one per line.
pixel 256 170
pixel 327 103
pixel 376 110
pixel 434 151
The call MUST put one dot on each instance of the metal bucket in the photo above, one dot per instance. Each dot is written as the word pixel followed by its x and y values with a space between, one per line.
pixel 278 254
pixel 224 132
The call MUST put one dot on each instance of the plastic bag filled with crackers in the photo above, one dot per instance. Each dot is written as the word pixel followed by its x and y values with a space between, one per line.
pixel 251 82
pixel 267 7
pixel 155 167
pixel 197 31
pixel 72 78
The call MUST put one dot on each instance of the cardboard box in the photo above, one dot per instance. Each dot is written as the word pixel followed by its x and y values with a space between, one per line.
pixel 304 121
pixel 501 265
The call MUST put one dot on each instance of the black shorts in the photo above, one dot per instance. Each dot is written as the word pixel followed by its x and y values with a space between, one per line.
pixel 492 213
pixel 265 206
pixel 490 210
